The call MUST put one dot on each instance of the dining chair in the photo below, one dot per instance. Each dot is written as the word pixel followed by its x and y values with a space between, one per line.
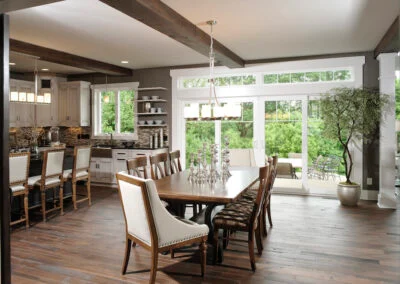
pixel 51 177
pixel 19 170
pixel 80 172
pixel 149 224
pixel 159 166
pixel 137 167
pixel 175 160
pixel 243 215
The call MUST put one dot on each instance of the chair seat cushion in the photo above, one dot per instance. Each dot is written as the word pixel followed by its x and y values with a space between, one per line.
pixel 250 194
pixel 235 215
pixel 17 188
pixel 35 180
pixel 68 174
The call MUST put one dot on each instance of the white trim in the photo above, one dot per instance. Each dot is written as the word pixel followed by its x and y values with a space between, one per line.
pixel 116 86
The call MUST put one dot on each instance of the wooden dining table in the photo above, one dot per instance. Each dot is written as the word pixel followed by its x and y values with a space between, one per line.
pixel 178 188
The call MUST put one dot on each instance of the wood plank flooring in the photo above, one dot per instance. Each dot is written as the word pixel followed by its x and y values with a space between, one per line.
pixel 314 240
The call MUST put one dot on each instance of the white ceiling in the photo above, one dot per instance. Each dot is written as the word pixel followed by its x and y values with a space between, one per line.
pixel 254 29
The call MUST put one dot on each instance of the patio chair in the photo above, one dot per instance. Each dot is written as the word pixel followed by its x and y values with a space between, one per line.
pixel 285 170
pixel 331 168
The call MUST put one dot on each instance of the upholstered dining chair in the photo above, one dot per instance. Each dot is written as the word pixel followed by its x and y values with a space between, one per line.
pixel 149 224
pixel 19 169
pixel 80 172
pixel 51 177
pixel 137 167
pixel 244 215
pixel 159 166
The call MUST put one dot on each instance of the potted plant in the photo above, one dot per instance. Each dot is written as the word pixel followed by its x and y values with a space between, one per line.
pixel 351 114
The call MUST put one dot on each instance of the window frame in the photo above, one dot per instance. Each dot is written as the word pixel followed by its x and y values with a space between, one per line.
pixel 96 110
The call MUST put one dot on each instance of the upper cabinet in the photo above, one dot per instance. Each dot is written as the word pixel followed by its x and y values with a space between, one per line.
pixel 74 104
pixel 22 114
pixel 47 114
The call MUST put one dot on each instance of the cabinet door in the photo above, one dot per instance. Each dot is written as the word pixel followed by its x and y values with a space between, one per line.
pixel 13 114
pixel 54 108
pixel 105 172
pixel 43 115
pixel 62 105
pixel 26 114
pixel 93 170
pixel 73 106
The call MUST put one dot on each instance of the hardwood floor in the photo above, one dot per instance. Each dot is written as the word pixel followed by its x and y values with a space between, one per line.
pixel 314 240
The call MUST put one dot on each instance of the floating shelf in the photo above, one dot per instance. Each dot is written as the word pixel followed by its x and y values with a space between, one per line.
pixel 151 113
pixel 153 125
pixel 152 101
pixel 152 89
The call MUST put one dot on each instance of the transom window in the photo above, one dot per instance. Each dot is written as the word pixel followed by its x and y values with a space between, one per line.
pixel 114 110
pixel 309 76
pixel 226 81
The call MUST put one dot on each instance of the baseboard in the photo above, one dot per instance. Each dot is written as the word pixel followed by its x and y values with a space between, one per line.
pixel 369 194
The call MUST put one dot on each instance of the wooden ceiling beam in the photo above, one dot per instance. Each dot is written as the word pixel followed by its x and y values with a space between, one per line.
pixel 14 5
pixel 162 18
pixel 55 56
pixel 390 41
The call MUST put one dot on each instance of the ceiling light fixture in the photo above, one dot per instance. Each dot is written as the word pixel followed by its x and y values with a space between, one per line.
pixel 124 62
pixel 213 110
pixel 12 63
pixel 45 69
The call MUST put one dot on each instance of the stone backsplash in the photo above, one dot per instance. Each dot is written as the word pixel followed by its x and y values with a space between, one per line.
pixel 69 136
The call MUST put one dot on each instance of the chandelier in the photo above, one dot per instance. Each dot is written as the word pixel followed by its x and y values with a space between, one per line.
pixel 213 110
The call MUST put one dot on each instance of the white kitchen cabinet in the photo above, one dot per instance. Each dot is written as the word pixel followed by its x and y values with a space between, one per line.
pixel 74 104
pixel 101 170
pixel 21 114
pixel 47 114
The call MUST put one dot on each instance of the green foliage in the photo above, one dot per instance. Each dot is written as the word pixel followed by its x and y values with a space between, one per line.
pixel 350 113
pixel 108 112
pixel 127 99
pixel 397 99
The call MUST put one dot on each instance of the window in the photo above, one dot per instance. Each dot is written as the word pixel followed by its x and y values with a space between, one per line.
pixel 114 110
pixel 226 81
pixel 306 77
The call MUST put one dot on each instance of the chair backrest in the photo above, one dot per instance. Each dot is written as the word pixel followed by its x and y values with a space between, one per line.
pixel 159 166
pixel 275 169
pixel 263 179
pixel 175 158
pixel 19 168
pixel 242 157
pixel 145 216
pixel 53 163
pixel 82 155
pixel 137 167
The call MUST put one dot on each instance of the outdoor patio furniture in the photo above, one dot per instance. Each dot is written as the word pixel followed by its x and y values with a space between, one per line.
pixel 285 170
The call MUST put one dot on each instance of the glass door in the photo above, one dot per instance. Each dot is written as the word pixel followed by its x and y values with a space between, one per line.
pixel 284 137
pixel 324 155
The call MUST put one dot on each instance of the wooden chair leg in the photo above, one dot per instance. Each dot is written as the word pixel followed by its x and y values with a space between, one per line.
pixel 260 232
pixel 43 195
pixel 154 262
pixel 172 253
pixel 88 192
pixel 251 250
pixel 215 244
pixel 258 241
pixel 203 256
pixel 74 194
pixel 133 244
pixel 269 213
pixel 225 238
pixel 61 200
pixel 128 245
pixel 26 209
pixel 263 224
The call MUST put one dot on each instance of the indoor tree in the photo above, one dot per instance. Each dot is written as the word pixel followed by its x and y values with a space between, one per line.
pixel 352 113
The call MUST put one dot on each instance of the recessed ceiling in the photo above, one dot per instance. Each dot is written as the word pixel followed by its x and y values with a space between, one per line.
pixel 253 29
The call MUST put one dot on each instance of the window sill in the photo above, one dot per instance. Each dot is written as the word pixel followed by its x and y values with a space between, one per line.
pixel 133 136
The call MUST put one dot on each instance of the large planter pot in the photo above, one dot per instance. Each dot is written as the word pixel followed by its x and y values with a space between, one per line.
pixel 349 195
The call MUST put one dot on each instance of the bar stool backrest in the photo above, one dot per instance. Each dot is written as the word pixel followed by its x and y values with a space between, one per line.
pixel 53 163
pixel 19 168
pixel 82 158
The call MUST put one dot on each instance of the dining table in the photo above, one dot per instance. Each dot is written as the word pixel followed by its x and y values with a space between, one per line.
pixel 178 188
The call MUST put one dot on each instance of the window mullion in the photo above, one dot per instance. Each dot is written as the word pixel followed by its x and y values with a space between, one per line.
pixel 117 113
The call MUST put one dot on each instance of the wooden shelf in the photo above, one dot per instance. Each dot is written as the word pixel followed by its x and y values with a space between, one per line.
pixel 152 101
pixel 151 113
pixel 152 89
pixel 153 125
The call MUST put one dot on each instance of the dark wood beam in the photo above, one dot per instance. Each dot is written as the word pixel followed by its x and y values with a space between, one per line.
pixel 68 59
pixel 390 41
pixel 14 5
pixel 162 18
pixel 5 260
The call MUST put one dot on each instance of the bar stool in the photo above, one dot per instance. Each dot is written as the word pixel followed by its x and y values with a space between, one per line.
pixel 80 172
pixel 19 168
pixel 51 177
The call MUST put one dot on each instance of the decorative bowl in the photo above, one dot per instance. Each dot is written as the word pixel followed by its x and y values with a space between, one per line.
pixel 158 122
pixel 145 97
pixel 141 122
pixel 155 97
pixel 149 122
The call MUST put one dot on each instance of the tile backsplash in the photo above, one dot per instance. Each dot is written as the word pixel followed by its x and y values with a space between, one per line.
pixel 69 136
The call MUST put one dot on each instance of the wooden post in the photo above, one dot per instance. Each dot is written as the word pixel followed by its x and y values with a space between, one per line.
pixel 4 168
